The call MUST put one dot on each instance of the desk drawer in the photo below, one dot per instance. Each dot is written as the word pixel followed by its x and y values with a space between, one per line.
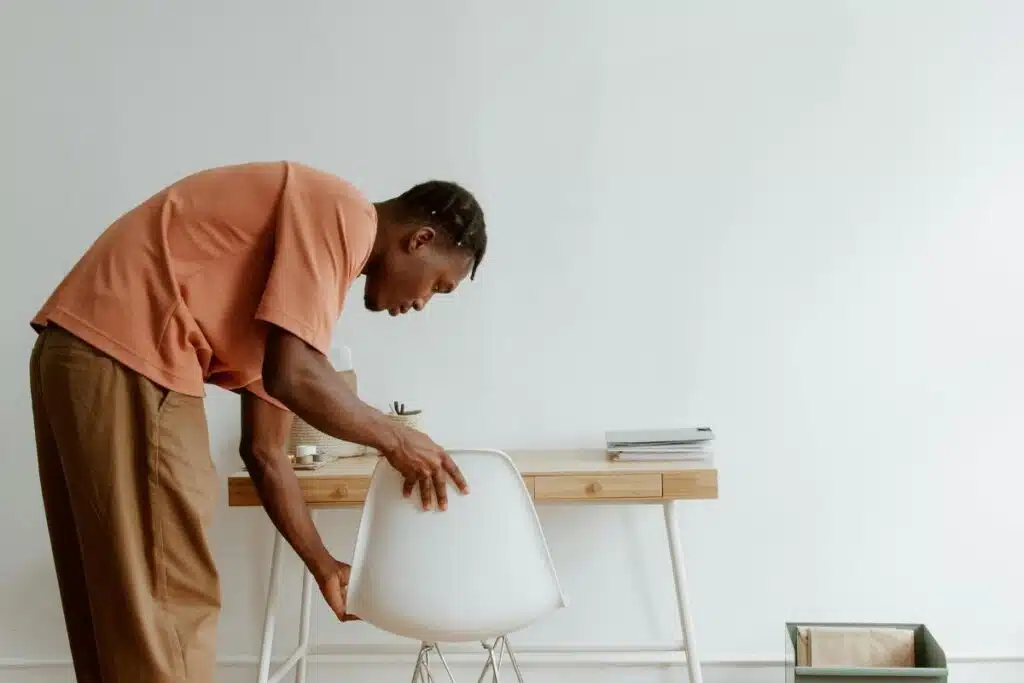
pixel 335 492
pixel 597 486
pixel 691 484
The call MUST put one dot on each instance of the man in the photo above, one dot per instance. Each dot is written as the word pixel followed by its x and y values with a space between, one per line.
pixel 233 276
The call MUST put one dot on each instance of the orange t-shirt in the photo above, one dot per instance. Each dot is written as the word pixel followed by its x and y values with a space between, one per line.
pixel 179 289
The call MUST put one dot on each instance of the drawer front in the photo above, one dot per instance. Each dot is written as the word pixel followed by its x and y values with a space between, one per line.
pixel 597 487
pixel 338 492
pixel 691 485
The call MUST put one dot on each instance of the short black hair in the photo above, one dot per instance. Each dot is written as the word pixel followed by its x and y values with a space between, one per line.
pixel 448 207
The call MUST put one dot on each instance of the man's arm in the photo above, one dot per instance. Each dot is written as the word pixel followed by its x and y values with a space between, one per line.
pixel 264 433
pixel 303 379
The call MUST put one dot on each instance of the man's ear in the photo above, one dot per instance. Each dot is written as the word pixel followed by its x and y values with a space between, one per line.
pixel 421 237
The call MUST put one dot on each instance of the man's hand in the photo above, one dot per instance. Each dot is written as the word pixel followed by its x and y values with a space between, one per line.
pixel 333 582
pixel 301 378
pixel 423 462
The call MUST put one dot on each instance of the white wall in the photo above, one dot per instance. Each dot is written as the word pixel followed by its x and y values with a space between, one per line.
pixel 799 221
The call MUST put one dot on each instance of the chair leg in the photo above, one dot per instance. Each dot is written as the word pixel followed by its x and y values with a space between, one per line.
pixel 417 672
pixel 487 664
pixel 493 663
pixel 440 655
pixel 426 667
pixel 512 659
pixel 422 674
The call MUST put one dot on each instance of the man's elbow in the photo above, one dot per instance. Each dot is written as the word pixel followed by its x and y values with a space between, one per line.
pixel 261 463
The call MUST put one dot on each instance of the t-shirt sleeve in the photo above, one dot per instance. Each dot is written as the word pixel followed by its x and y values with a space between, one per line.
pixel 310 270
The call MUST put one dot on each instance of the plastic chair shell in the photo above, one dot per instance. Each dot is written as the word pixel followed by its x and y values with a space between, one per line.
pixel 478 570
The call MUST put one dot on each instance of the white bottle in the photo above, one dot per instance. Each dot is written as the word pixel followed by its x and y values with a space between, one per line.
pixel 341 357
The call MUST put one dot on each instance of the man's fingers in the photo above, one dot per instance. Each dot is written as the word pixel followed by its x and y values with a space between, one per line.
pixel 335 596
pixel 441 489
pixel 455 473
pixel 407 488
pixel 426 488
pixel 350 617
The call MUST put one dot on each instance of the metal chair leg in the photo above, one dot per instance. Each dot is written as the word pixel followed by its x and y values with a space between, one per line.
pixel 495 665
pixel 417 672
pixel 487 664
pixel 512 659
pixel 448 671
pixel 426 666
pixel 422 673
pixel 495 655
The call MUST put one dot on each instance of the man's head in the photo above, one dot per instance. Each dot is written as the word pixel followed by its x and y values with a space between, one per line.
pixel 428 240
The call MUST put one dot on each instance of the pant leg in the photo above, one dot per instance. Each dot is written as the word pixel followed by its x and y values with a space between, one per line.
pixel 67 553
pixel 142 488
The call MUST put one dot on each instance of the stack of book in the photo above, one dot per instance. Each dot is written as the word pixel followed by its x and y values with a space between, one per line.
pixel 686 443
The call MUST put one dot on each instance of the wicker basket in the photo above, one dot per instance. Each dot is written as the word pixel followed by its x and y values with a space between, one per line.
pixel 327 446
pixel 414 421
pixel 410 421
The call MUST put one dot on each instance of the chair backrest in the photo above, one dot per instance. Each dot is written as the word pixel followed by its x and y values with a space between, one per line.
pixel 478 570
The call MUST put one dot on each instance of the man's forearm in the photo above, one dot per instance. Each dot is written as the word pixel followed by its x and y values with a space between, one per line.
pixel 279 492
pixel 264 434
pixel 306 382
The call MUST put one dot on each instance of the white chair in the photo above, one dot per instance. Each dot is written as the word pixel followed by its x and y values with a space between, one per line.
pixel 473 573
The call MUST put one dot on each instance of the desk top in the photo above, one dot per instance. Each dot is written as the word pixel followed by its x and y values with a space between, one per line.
pixel 550 475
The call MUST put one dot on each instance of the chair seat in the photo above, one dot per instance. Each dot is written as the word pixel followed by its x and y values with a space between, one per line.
pixel 479 570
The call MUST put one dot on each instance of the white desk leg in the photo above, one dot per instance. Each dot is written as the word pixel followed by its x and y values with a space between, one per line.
pixel 270 615
pixel 675 547
pixel 307 600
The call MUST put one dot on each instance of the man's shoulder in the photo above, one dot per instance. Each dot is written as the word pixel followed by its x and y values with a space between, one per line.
pixel 230 171
pixel 315 184
pixel 329 183
pixel 316 178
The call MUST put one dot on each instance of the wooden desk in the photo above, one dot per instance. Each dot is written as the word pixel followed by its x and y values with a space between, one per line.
pixel 551 477
pixel 566 477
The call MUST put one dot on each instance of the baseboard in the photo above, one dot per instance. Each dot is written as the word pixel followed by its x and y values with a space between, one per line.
pixel 975 668
pixel 371 656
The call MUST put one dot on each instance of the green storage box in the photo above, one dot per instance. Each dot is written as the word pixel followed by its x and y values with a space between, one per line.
pixel 929 660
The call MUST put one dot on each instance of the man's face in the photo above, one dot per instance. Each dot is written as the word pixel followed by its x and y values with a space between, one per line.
pixel 413 270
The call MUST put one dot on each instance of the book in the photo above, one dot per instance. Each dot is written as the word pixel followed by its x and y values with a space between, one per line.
pixel 657 437
pixel 659 456
pixel 670 448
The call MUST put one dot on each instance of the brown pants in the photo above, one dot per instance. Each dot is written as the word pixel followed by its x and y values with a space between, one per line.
pixel 128 488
